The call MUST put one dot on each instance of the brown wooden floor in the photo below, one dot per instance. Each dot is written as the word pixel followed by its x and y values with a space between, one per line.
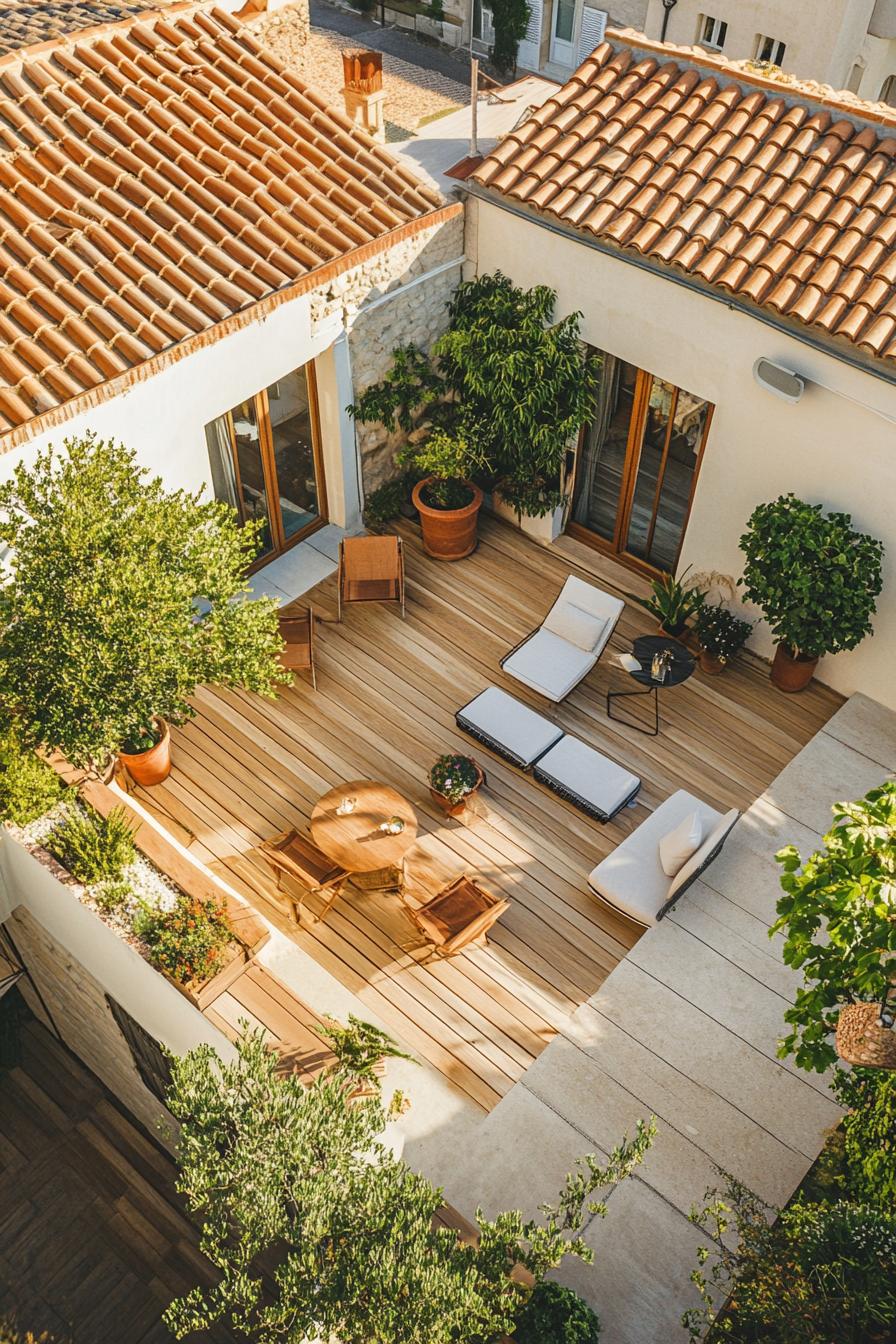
pixel 93 1241
pixel 388 690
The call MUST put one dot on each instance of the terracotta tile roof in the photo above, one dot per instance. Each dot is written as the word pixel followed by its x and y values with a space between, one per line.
pixel 736 181
pixel 23 24
pixel 160 177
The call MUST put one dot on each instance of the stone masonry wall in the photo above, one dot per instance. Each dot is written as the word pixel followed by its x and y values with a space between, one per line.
pixel 626 13
pixel 417 317
pixel 81 1014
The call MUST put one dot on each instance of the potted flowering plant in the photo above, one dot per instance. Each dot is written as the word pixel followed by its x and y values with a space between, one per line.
pixel 190 944
pixel 721 635
pixel 453 780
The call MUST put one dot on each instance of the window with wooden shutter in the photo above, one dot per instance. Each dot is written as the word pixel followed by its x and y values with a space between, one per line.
pixel 149 1058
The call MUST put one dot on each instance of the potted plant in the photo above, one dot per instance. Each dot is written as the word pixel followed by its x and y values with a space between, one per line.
pixel 453 780
pixel 446 499
pixel 672 602
pixel 191 944
pixel 123 597
pixel 816 580
pixel 720 635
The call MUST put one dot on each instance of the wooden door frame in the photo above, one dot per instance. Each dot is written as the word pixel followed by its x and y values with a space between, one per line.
pixel 633 446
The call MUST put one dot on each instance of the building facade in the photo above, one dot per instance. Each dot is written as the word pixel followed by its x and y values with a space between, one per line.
pixel 849 44
pixel 698 249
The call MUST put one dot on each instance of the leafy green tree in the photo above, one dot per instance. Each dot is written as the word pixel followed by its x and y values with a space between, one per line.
pixel 869 1133
pixel 510 19
pixel 123 598
pixel 838 915
pixel 556 1315
pixel 298 1180
pixel 815 578
pixel 808 1274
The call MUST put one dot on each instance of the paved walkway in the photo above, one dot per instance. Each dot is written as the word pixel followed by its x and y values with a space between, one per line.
pixel 685 1028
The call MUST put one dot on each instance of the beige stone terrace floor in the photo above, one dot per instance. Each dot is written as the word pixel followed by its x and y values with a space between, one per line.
pixel 387 692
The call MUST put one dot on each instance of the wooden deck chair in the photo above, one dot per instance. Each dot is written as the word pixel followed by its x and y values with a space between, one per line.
pixel 294 856
pixel 458 915
pixel 371 569
pixel 297 633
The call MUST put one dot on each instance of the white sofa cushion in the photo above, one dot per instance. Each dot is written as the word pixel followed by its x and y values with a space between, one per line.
pixel 677 845
pixel 632 878
pixel 574 625
pixel 593 781
pixel 497 717
pixel 550 665
pixel 699 857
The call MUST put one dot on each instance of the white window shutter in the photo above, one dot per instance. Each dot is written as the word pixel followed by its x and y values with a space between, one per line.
pixel 594 25
pixel 529 53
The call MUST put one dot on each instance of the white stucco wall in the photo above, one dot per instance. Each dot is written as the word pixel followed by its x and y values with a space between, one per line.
pixel 823 40
pixel 836 448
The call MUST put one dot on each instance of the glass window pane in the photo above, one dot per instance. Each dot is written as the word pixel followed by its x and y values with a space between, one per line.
pixel 599 473
pixel 660 399
pixel 564 20
pixel 289 405
pixel 220 456
pixel 688 427
pixel 251 469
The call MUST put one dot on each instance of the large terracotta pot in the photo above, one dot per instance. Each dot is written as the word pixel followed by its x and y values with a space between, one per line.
pixel 711 665
pixel 150 767
pixel 448 534
pixel 791 674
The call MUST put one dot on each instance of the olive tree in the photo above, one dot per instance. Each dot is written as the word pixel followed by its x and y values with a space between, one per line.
pixel 320 1232
pixel 838 915
pixel 122 598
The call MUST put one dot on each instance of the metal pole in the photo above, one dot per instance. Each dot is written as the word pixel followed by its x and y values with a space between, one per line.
pixel 474 107
pixel 668 6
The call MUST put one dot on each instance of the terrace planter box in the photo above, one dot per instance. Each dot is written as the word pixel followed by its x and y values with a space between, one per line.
pixel 203 992
pixel 544 530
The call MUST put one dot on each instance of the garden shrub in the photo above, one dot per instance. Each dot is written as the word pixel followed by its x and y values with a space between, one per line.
pixel 556 1315
pixel 188 942
pixel 385 503
pixel 869 1134
pixel 94 848
pixel 28 786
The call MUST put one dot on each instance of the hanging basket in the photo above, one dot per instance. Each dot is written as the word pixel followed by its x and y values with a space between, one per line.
pixel 861 1039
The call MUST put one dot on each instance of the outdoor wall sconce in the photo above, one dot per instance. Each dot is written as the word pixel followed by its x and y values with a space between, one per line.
pixel 781 382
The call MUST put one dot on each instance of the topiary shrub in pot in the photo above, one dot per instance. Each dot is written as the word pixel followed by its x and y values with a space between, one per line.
pixel 816 580
pixel 123 598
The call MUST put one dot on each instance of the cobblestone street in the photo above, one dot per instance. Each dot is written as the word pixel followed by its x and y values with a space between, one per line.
pixel 421 82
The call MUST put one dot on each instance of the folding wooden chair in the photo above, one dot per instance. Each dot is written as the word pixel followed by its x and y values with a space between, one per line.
pixel 371 569
pixel 458 915
pixel 294 856
pixel 297 633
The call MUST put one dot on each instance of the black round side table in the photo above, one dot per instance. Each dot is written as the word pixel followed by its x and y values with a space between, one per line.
pixel 644 648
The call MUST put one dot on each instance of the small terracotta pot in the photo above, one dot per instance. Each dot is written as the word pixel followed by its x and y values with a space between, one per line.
pixel 150 767
pixel 457 809
pixel 710 664
pixel 791 674
pixel 448 534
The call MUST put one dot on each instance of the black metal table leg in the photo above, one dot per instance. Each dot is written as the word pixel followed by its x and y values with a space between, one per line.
pixel 630 723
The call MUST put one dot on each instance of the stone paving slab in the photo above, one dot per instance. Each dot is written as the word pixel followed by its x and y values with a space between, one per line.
pixel 867 727
pixel 826 771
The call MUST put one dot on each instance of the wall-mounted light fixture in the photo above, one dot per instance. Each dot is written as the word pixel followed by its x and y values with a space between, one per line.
pixel 781 382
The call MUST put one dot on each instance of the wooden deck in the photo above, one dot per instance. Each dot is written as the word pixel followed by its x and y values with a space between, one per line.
pixel 94 1242
pixel 245 768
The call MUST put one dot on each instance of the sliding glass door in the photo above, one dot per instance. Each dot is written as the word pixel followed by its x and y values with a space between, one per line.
pixel 265 460
pixel 637 465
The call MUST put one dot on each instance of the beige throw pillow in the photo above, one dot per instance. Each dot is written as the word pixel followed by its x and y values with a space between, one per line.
pixel 677 846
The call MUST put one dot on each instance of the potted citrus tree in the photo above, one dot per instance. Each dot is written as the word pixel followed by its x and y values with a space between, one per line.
pixel 122 599
pixel 815 579
pixel 446 499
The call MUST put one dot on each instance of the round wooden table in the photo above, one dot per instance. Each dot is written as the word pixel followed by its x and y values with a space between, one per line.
pixel 354 841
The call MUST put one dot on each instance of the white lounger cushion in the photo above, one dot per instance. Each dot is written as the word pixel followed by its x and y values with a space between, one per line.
pixel 602 786
pixel 553 666
pixel 631 878
pixel 549 664
pixel 522 732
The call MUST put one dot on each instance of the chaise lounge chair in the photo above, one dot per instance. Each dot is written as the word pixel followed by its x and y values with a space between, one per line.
pixel 556 656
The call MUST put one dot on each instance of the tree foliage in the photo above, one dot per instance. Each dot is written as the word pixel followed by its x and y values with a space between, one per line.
pixel 123 598
pixel 838 914
pixel 815 578
pixel 869 1133
pixel 507 381
pixel 810 1274
pixel 299 1180
pixel 510 19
